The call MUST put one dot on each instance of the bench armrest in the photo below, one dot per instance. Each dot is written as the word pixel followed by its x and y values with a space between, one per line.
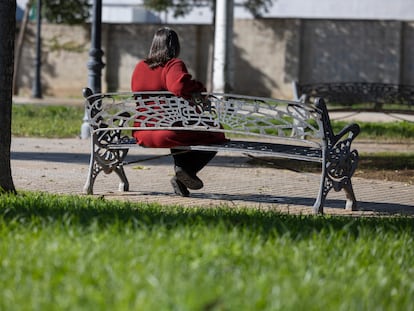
pixel 352 130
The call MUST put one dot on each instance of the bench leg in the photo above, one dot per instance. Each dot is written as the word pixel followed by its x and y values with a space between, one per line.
pixel 338 171
pixel 324 188
pixel 351 202
pixel 318 207
pixel 94 170
pixel 108 161
pixel 124 184
pixel 326 185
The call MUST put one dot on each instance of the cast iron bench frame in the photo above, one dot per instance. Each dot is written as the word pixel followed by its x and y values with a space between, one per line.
pixel 346 94
pixel 261 126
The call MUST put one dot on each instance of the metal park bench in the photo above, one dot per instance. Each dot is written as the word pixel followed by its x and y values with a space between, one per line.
pixel 256 126
pixel 359 96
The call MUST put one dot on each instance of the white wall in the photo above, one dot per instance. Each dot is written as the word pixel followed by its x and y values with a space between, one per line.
pixel 312 9
pixel 114 11
pixel 339 9
pixel 268 54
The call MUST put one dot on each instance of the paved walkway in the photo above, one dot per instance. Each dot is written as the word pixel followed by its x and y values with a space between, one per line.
pixel 61 166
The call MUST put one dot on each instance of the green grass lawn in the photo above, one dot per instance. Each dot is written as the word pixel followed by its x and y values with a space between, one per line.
pixel 46 121
pixel 78 253
pixel 399 130
pixel 64 122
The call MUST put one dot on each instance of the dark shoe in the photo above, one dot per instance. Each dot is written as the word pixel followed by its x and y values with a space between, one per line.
pixel 179 188
pixel 189 180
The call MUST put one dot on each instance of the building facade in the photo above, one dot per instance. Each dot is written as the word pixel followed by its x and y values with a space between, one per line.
pixel 295 40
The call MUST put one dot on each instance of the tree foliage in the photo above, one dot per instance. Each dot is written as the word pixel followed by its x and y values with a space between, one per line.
pixel 78 11
pixel 66 12
pixel 256 7
pixel 183 7
pixel 180 7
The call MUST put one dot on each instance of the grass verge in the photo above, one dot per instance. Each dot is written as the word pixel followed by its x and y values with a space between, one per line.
pixel 46 121
pixel 381 131
pixel 65 121
pixel 74 253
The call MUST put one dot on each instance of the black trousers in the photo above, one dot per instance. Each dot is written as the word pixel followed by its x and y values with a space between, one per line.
pixel 192 161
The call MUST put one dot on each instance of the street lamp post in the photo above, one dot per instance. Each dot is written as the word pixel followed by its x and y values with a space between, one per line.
pixel 95 63
pixel 37 87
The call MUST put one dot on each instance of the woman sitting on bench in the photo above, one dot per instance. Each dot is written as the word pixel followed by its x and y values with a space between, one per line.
pixel 162 70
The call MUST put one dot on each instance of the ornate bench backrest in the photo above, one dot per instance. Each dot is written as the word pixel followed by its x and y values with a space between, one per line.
pixel 236 114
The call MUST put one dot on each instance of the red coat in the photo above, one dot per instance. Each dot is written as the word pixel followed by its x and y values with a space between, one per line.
pixel 172 77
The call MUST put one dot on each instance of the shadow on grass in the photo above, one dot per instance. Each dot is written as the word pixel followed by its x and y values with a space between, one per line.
pixel 40 209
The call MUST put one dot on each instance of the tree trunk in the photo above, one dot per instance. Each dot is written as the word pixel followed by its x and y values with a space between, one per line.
pixel 7 34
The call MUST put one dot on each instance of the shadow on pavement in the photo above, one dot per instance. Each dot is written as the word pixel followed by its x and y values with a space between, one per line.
pixel 363 206
pixel 83 158
pixel 50 157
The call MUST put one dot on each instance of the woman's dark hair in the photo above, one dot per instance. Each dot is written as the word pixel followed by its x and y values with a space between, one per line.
pixel 164 47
